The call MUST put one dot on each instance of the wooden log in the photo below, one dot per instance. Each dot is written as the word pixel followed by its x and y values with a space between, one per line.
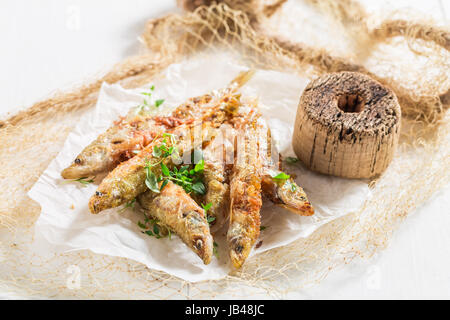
pixel 347 125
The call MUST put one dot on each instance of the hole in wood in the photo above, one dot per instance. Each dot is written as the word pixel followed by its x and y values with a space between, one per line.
pixel 351 103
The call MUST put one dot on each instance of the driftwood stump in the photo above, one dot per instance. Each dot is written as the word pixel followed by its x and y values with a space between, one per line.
pixel 347 125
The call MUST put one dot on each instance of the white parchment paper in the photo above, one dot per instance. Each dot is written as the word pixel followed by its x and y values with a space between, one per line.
pixel 66 224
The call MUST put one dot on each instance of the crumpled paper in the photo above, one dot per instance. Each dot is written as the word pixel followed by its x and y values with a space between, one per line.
pixel 65 222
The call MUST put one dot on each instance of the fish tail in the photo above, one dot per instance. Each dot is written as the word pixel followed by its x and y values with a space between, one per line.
pixel 242 78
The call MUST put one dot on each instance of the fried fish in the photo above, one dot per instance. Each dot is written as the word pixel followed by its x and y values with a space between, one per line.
pixel 119 143
pixel 138 128
pixel 176 210
pixel 245 194
pixel 286 193
pixel 218 157
pixel 127 180
pixel 283 192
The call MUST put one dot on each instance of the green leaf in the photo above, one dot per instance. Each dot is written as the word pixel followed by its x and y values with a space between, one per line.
pixel 281 176
pixel 291 160
pixel 172 137
pixel 152 87
pixel 84 180
pixel 156 229
pixel 165 170
pixel 293 187
pixel 199 166
pixel 165 182
pixel 129 204
pixel 199 188
pixel 210 219
pixel 151 181
pixel 149 233
pixel 207 206
pixel 159 102
pixel 262 228
pixel 141 225
pixel 156 151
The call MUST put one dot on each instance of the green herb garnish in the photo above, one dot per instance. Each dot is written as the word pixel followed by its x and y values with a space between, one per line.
pixel 149 93
pixel 153 228
pixel 151 181
pixel 291 160
pixel 141 225
pixel 199 166
pixel 209 218
pixel 165 170
pixel 262 228
pixel 165 182
pixel 172 137
pixel 189 179
pixel 145 103
pixel 129 204
pixel 159 102
pixel 293 187
pixel 199 188
pixel 83 180
pixel 281 176
pixel 207 206
pixel 215 252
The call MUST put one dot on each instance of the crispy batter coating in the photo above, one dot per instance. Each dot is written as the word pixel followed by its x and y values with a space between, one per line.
pixel 245 193
pixel 175 209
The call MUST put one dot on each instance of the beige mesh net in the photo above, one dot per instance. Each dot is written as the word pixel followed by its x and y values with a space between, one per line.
pixel 266 35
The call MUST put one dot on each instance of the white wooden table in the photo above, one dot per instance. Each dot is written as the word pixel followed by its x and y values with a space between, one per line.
pixel 49 45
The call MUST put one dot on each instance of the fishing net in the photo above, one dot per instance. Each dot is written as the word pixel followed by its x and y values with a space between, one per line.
pixel 399 49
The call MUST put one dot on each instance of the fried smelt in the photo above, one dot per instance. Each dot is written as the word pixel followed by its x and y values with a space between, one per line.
pixel 127 180
pixel 119 143
pixel 287 194
pixel 137 129
pixel 216 176
pixel 176 210
pixel 218 193
pixel 245 195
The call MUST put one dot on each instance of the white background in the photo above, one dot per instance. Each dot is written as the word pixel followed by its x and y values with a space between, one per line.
pixel 54 44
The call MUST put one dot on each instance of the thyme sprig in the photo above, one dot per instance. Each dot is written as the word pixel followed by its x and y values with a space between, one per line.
pixel 281 176
pixel 130 204
pixel 190 179
pixel 154 228
pixel 161 151
pixel 209 218
pixel 84 181
pixel 215 251
pixel 148 102
pixel 291 160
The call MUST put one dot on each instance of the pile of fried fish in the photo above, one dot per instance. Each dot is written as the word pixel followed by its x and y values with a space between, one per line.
pixel 170 166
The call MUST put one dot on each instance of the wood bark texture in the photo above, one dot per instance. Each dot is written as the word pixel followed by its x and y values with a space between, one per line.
pixel 347 125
